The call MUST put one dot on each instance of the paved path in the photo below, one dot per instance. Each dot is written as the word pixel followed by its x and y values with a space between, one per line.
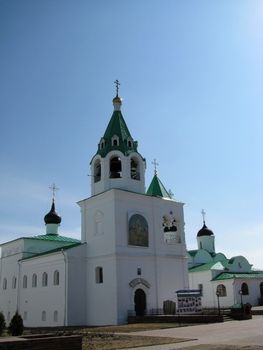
pixel 248 332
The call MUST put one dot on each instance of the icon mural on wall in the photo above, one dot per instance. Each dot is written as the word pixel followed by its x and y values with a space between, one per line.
pixel 138 231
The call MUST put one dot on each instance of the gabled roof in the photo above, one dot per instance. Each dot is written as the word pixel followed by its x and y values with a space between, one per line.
pixel 117 127
pixel 157 189
pixel 46 237
pixel 209 266
pixel 52 251
pixel 55 238
pixel 238 275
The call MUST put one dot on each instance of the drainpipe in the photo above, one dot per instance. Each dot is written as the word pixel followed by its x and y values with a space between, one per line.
pixel 66 287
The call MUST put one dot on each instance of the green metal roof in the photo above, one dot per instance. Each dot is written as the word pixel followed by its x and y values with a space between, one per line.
pixel 192 252
pixel 157 189
pixel 207 267
pixel 55 238
pixel 53 251
pixel 238 275
pixel 118 127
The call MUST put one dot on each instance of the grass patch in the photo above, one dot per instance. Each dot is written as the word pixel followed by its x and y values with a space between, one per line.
pixel 104 341
pixel 133 327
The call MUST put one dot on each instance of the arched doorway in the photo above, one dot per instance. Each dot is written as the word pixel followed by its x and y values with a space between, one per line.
pixel 140 302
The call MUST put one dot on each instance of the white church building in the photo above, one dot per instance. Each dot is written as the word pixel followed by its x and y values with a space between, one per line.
pixel 132 253
pixel 227 281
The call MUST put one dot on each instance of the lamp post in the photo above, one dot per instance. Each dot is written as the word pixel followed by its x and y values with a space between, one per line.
pixel 241 296
pixel 218 303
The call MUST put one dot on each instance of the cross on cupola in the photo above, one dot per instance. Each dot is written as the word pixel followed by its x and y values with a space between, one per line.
pixel 203 215
pixel 155 164
pixel 54 189
pixel 117 83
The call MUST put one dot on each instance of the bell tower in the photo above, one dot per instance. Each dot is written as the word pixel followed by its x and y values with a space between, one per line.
pixel 117 163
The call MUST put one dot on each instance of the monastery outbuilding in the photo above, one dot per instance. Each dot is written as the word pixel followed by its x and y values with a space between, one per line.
pixel 221 280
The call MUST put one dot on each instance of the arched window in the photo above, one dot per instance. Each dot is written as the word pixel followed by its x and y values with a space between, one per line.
pixel 135 173
pixel 44 279
pixel 138 231
pixel 97 171
pixel 56 278
pixel 14 282
pixel 44 316
pixel 34 280
pixel 244 289
pixel 99 274
pixel 102 143
pixel 25 281
pixel 55 316
pixel 221 289
pixel 25 315
pixel 115 141
pixel 129 143
pixel 115 168
pixel 4 283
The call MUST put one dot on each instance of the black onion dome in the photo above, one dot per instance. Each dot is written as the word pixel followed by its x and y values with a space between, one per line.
pixel 205 231
pixel 52 217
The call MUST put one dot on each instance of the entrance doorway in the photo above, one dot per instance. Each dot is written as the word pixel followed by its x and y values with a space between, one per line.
pixel 140 302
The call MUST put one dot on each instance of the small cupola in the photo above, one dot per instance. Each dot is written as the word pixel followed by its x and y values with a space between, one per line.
pixel 156 188
pixel 52 220
pixel 205 237
pixel 205 231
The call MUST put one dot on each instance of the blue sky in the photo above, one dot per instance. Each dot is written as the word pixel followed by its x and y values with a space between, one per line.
pixel 191 81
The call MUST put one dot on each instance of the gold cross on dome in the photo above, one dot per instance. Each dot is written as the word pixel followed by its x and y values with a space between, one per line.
pixel 117 83
pixel 54 189
pixel 155 164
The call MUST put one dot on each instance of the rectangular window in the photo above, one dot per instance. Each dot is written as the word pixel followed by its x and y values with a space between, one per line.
pixel 99 274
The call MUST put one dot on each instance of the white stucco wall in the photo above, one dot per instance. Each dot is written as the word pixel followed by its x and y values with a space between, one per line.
pixel 163 265
pixel 50 298
pixel 76 275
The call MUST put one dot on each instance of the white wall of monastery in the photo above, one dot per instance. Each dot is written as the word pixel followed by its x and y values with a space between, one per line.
pixel 35 301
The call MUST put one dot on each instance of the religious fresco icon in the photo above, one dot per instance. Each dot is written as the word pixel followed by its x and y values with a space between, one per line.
pixel 138 231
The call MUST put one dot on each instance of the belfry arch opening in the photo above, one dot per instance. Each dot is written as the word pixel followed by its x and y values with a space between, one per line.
pixel 97 171
pixel 135 169
pixel 115 168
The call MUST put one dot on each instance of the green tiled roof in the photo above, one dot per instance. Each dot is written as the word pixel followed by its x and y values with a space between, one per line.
pixel 118 127
pixel 55 238
pixel 207 266
pixel 157 189
pixel 238 275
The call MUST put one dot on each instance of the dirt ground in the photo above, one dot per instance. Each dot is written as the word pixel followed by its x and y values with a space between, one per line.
pixel 223 347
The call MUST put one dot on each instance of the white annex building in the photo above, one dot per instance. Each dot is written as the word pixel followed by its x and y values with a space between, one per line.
pixel 233 280
pixel 131 256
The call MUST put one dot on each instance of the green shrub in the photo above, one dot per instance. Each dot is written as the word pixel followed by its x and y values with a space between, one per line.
pixel 16 326
pixel 2 323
